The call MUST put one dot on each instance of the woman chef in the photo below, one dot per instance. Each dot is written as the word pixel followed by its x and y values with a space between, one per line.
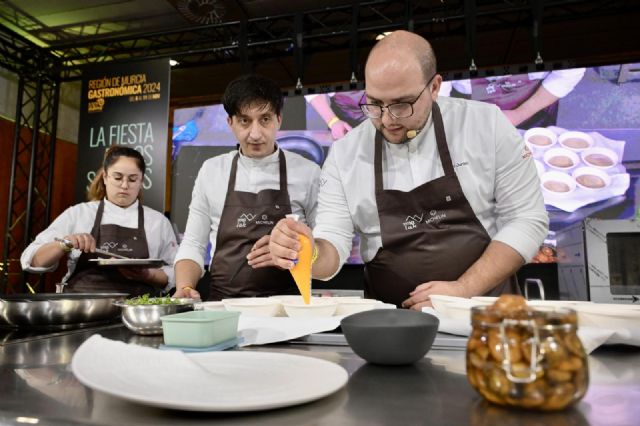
pixel 113 220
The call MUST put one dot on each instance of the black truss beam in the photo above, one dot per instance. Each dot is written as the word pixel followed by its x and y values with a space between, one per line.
pixel 28 206
pixel 324 29
pixel 31 174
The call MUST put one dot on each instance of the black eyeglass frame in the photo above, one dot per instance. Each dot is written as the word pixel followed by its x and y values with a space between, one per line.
pixel 365 107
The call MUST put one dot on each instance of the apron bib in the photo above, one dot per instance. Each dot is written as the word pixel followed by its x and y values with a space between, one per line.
pixel 89 278
pixel 245 219
pixel 428 234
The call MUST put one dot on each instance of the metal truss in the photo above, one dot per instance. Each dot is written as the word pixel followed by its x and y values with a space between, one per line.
pixel 28 208
pixel 345 27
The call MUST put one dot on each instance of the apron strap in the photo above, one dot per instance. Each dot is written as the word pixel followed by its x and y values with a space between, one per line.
pixel 441 141
pixel 377 162
pixel 142 235
pixel 283 172
pixel 95 231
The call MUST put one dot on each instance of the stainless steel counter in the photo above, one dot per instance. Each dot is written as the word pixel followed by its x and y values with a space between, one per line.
pixel 36 386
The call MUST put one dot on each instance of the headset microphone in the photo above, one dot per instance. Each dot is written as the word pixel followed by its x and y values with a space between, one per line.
pixel 413 133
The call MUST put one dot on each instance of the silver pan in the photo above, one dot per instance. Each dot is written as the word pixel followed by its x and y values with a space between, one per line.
pixel 58 310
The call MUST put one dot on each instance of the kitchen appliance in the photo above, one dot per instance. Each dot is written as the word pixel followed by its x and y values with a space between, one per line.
pixel 599 260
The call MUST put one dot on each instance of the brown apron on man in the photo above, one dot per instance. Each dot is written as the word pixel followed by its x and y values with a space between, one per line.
pixel 509 93
pixel 245 219
pixel 428 234
pixel 132 243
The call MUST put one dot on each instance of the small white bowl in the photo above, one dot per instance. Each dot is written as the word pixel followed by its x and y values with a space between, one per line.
pixel 575 141
pixel 558 179
pixel 539 138
pixel 256 306
pixel 317 308
pixel 602 158
pixel 591 179
pixel 350 306
pixel 556 158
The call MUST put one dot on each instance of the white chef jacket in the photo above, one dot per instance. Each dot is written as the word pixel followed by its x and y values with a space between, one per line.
pixel 497 175
pixel 161 239
pixel 253 175
pixel 559 82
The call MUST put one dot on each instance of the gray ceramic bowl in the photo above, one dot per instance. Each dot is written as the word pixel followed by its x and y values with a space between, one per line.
pixel 390 336
pixel 145 319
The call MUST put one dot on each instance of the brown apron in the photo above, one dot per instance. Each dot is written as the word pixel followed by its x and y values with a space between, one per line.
pixel 509 93
pixel 87 277
pixel 245 219
pixel 428 234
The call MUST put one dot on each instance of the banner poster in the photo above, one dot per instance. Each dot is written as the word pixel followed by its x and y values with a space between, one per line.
pixel 125 104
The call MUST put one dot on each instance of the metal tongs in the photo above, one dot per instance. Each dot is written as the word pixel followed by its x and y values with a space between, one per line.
pixel 97 250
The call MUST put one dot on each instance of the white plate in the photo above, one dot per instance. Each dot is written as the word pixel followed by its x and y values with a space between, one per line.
pixel 231 381
pixel 148 263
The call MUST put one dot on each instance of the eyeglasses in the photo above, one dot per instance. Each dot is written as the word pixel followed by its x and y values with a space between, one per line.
pixel 396 110
pixel 119 179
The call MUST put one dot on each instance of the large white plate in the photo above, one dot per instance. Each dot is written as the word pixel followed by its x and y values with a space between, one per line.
pixel 213 381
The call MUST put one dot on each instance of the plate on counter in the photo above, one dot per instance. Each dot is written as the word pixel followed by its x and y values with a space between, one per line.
pixel 138 263
pixel 229 381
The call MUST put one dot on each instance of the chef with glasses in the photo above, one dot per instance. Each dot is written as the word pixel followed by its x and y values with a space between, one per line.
pixel 114 221
pixel 441 191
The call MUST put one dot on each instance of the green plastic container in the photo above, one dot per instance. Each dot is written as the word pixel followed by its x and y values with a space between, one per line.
pixel 199 329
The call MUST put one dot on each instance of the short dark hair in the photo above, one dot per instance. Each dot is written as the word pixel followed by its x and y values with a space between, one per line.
pixel 252 89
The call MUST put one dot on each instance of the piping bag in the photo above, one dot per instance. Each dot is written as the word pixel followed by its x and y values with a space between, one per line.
pixel 301 271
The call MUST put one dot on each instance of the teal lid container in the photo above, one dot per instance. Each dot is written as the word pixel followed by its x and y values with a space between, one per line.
pixel 199 329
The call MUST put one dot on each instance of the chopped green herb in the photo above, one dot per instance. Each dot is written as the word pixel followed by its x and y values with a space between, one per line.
pixel 146 300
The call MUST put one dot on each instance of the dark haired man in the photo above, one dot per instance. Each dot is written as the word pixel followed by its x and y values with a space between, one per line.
pixel 239 196
pixel 443 195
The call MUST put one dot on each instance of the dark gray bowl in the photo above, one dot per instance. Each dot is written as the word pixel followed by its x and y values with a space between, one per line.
pixel 390 336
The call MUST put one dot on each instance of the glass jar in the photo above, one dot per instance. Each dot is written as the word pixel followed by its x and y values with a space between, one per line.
pixel 527 358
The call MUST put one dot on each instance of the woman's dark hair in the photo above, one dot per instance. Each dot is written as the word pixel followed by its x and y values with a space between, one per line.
pixel 97 190
pixel 249 90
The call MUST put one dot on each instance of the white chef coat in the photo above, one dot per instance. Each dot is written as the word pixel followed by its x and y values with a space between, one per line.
pixel 161 239
pixel 559 82
pixel 253 175
pixel 497 175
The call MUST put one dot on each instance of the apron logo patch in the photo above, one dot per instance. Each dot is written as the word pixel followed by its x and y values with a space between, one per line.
pixel 411 222
pixel 447 198
pixel 435 217
pixel 244 219
pixel 112 246
pixel 264 220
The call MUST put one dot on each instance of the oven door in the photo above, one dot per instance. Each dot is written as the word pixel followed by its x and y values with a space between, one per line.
pixel 613 259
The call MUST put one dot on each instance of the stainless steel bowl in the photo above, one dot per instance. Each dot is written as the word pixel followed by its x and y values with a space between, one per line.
pixel 58 310
pixel 145 319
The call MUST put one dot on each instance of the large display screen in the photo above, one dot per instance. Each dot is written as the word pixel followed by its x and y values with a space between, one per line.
pixel 581 125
